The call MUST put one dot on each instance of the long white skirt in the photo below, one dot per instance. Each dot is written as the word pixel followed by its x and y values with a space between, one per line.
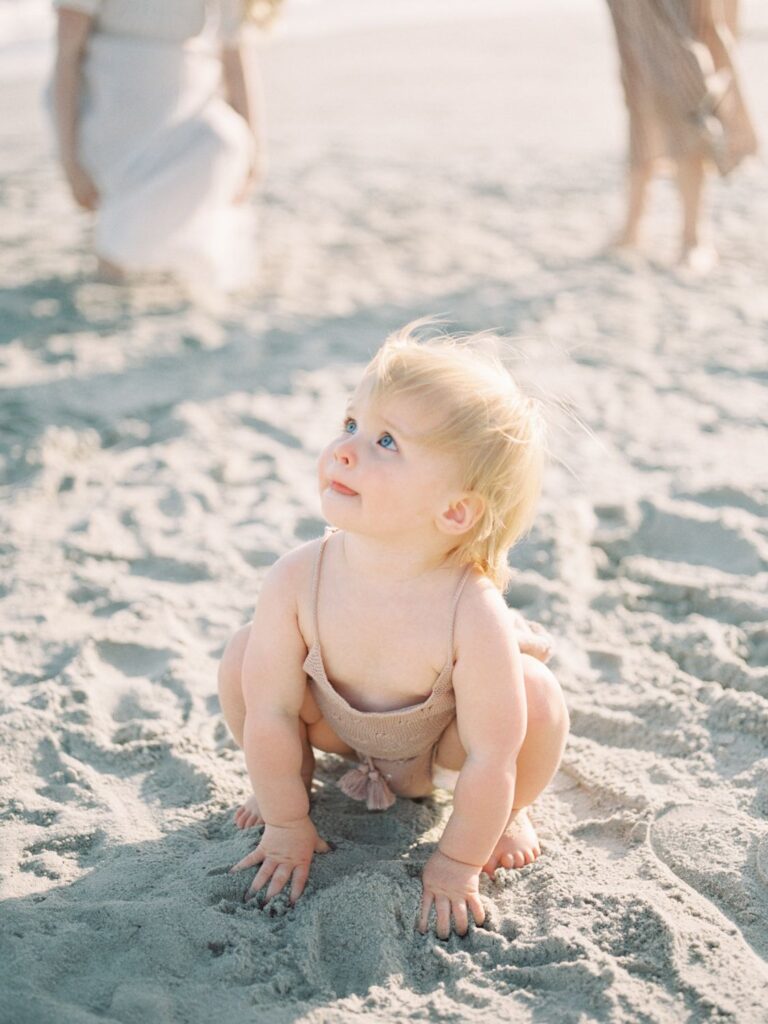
pixel 168 156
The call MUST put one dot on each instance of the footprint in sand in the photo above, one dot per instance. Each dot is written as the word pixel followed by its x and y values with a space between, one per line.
pixel 169 570
pixel 761 860
pixel 259 558
pixel 24 665
pixel 733 497
pixel 607 663
pixel 135 659
pixel 717 855
pixel 687 533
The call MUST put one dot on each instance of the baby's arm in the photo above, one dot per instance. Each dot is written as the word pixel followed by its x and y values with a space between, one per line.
pixel 491 721
pixel 273 688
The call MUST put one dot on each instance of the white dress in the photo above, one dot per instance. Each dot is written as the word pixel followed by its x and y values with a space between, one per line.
pixel 165 150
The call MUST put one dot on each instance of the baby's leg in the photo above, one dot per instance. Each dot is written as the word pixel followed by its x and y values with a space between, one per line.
pixel 230 684
pixel 314 730
pixel 537 761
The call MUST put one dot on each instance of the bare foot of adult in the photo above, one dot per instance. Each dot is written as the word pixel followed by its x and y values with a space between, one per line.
pixel 518 845
pixel 625 250
pixel 625 239
pixel 699 260
pixel 248 815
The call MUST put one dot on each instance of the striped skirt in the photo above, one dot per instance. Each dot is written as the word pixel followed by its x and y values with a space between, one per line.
pixel 680 81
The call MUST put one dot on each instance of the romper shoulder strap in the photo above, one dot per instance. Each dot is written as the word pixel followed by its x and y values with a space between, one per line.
pixel 329 531
pixel 454 608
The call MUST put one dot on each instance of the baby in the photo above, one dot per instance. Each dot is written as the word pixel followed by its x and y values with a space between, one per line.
pixel 388 641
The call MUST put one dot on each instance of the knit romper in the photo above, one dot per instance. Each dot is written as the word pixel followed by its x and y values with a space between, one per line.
pixel 396 748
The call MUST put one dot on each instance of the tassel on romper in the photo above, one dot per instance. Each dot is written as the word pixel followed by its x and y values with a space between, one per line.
pixel 396 748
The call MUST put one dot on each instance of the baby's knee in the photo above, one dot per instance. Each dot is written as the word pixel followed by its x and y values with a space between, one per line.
pixel 544 695
pixel 231 664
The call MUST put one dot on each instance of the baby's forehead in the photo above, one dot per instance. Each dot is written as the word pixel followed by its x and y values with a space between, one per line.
pixel 413 413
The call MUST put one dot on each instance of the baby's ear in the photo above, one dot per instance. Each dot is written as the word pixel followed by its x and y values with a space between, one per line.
pixel 461 515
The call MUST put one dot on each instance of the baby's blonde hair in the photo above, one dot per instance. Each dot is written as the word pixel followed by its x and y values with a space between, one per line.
pixel 497 432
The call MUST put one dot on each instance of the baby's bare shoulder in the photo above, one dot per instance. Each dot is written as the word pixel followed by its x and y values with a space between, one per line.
pixel 291 574
pixel 481 607
pixel 481 597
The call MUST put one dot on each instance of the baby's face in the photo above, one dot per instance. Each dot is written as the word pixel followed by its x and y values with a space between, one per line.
pixel 379 477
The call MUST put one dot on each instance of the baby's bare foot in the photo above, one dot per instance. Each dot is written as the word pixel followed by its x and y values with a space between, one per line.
pixel 248 815
pixel 518 845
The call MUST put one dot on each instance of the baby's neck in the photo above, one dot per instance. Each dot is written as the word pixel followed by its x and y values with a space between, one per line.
pixel 392 561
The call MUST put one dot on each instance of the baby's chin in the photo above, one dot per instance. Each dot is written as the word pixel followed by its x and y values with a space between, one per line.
pixel 337 508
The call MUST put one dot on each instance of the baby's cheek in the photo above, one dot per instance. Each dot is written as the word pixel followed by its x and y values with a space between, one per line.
pixel 322 479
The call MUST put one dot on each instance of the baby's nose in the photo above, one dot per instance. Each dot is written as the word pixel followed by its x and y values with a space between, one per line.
pixel 344 452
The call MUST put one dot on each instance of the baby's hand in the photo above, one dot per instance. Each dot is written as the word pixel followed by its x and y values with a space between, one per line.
pixel 532 638
pixel 453 887
pixel 285 854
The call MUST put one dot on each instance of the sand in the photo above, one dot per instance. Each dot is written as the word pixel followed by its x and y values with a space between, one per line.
pixel 158 455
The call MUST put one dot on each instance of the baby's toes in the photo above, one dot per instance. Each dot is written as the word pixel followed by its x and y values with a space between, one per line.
pixel 246 818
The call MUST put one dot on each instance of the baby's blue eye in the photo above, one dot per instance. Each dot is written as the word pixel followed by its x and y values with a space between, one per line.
pixel 350 426
pixel 388 442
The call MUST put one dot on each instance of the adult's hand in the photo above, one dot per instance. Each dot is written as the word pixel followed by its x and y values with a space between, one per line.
pixel 81 185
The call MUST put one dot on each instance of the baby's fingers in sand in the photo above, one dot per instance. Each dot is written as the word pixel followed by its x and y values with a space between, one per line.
pixel 300 876
pixel 251 860
pixel 477 909
pixel 263 875
pixel 460 917
pixel 280 878
pixel 443 910
pixel 426 906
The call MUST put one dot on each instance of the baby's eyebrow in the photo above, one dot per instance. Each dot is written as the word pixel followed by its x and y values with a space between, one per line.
pixel 393 427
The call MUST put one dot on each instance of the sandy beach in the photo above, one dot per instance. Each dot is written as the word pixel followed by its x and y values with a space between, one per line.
pixel 157 455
